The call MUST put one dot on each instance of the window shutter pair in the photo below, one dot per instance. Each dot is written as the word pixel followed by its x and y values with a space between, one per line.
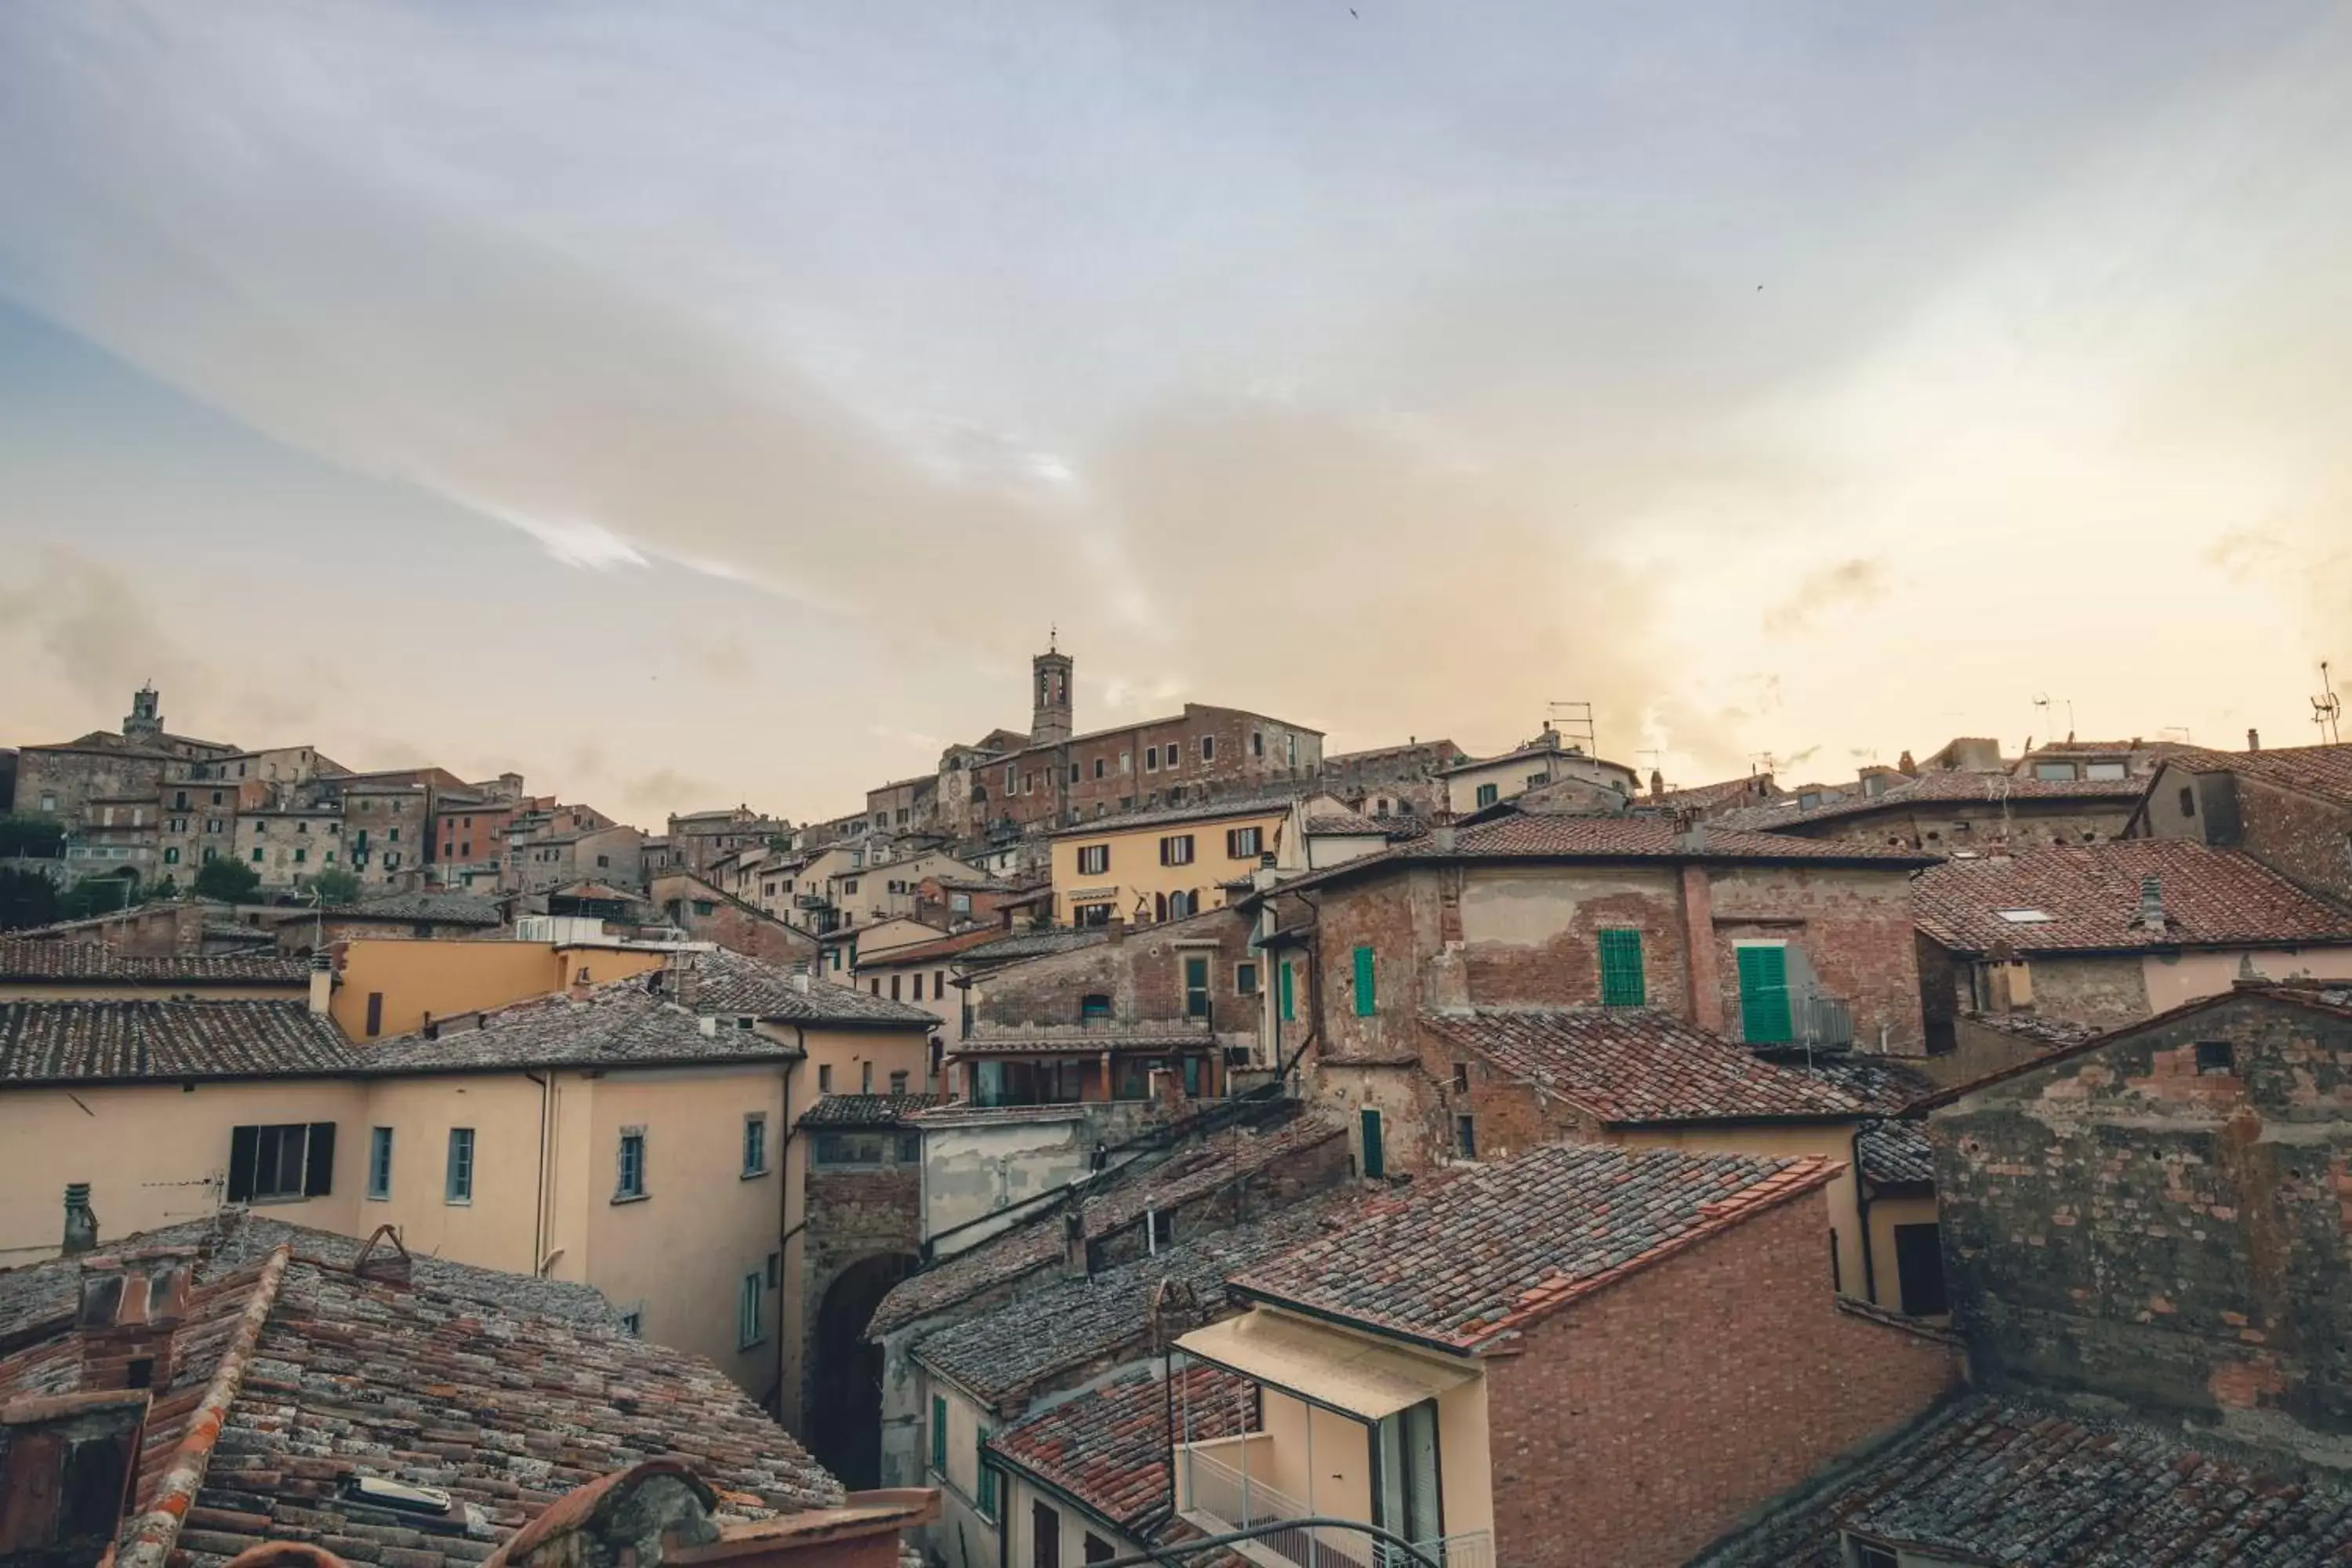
pixel 1366 1000
pixel 1621 983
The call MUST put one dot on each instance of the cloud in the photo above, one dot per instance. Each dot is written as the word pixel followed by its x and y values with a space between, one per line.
pixel 1844 586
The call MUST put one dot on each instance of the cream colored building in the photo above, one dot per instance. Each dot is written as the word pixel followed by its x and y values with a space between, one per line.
pixel 868 890
pixel 1147 866
pixel 627 1136
pixel 1548 759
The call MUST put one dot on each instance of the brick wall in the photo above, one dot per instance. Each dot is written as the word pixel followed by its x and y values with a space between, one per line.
pixel 2122 1223
pixel 2307 841
pixel 2105 993
pixel 1638 1425
pixel 74 778
pixel 1246 752
pixel 1855 931
pixel 1944 826
pixel 1141 973
pixel 733 925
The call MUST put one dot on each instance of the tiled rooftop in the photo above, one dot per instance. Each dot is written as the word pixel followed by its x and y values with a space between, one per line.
pixel 1109 1448
pixel 1261 804
pixel 1895 1153
pixel 92 1042
pixel 94 961
pixel 2323 770
pixel 1063 1332
pixel 1936 788
pixel 728 982
pixel 1635 1064
pixel 1118 1199
pixel 440 909
pixel 1019 1040
pixel 616 1025
pixel 930 952
pixel 1476 1257
pixel 1033 944
pixel 1996 1481
pixel 330 1374
pixel 2050 1032
pixel 2085 898
pixel 867 1110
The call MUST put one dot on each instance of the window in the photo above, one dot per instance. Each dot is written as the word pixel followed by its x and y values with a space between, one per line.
pixel 938 984
pixel 1367 995
pixel 866 1077
pixel 748 1332
pixel 1869 1554
pixel 1461 1077
pixel 380 1162
pixel 374 1014
pixel 1465 1137
pixel 1012 779
pixel 1764 993
pixel 1488 793
pixel 1097 1548
pixel 1044 1536
pixel 1375 1160
pixel 1101 766
pixel 705 907
pixel 1620 968
pixel 1243 842
pixel 938 1434
pixel 2106 771
pixel 2214 1056
pixel 755 1145
pixel 1150 759
pixel 1257 743
pixel 986 1500
pixel 632 1323
pixel 1808 799
pixel 1093 1005
pixel 1176 849
pixel 630 1182
pixel 303 855
pixel 1074 778
pixel 1093 859
pixel 257 853
pixel 2188 801
pixel 1208 748
pixel 171 857
pixel 1919 1269
pixel 1196 985
pixel 1288 999
pixel 825 1078
pixel 875 985
pixel 1126 763
pixel 2053 771
pixel 277 1163
pixel 894 988
pixel 898 1081
pixel 1245 979
pixel 1163 1227
pixel 458 1181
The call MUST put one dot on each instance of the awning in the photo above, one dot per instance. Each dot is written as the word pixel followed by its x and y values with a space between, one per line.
pixel 1328 1365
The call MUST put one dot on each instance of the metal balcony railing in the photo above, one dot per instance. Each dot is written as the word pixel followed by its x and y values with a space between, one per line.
pixel 1220 1498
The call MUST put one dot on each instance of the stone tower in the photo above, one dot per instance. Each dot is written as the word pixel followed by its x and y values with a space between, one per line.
pixel 146 720
pixel 1050 678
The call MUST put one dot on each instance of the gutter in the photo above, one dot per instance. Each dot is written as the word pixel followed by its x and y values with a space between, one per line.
pixel 1862 1209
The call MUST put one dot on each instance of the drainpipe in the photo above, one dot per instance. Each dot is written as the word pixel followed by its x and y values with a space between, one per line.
pixel 538 1196
pixel 785 1228
pixel 1862 1210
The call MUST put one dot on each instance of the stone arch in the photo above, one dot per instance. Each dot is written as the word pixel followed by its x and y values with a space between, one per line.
pixel 845 1406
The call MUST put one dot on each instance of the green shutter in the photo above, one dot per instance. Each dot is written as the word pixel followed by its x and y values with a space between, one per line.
pixel 1620 968
pixel 987 1478
pixel 1366 1001
pixel 939 1433
pixel 1376 1159
pixel 1764 995
pixel 1289 1010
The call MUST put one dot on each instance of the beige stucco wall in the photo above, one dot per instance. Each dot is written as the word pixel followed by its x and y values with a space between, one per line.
pixel 497 1227
pixel 2187 976
pixel 1885 1213
pixel 1136 874
pixel 962 1534
pixel 1835 1141
pixel 442 978
pixel 156 1154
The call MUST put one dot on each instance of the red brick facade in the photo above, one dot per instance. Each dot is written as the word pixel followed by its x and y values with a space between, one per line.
pixel 1646 1422
pixel 706 914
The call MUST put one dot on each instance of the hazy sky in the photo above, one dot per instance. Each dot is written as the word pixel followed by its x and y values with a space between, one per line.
pixel 691 403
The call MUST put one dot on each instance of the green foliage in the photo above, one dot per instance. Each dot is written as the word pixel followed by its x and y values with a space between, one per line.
pixel 26 899
pixel 230 881
pixel 100 896
pixel 336 887
pixel 31 833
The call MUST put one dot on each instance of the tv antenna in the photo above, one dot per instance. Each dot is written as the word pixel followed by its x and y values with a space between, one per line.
pixel 2044 701
pixel 1574 722
pixel 2327 709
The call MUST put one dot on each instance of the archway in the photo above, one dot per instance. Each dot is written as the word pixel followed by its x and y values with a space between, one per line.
pixel 845 1411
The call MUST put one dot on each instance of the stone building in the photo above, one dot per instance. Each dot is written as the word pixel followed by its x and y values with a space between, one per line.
pixel 1947 812
pixel 699 837
pixel 2290 808
pixel 1392 781
pixel 1474 784
pixel 707 913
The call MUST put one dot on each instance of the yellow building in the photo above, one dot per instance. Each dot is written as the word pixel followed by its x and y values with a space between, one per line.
pixel 628 1134
pixel 1147 866
pixel 395 985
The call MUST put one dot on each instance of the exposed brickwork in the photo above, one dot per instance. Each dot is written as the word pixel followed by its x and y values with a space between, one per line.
pixel 2119 1221
pixel 1638 1425
pixel 1141 973
pixel 731 924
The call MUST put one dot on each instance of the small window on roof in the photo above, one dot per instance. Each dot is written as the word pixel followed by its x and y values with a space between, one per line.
pixel 2026 917
pixel 1808 800
pixel 2105 771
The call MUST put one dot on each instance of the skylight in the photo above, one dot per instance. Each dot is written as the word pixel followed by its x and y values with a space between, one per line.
pixel 2026 917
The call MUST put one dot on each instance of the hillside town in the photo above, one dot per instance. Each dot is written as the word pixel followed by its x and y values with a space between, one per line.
pixel 1176 1142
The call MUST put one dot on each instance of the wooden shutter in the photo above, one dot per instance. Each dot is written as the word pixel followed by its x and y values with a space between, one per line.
pixel 1289 1007
pixel 1366 1001
pixel 319 1174
pixel 1620 968
pixel 1376 1162
pixel 939 1434
pixel 244 1144
pixel 1764 995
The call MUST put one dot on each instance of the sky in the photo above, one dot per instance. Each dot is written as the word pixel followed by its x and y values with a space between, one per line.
pixel 721 402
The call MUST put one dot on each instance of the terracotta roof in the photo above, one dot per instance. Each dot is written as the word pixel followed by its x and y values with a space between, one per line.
pixel 928 951
pixel 1109 1448
pixel 1346 822
pixel 2090 895
pixel 441 909
pixel 2050 1032
pixel 866 1110
pixel 1060 1334
pixel 1703 796
pixel 1930 789
pixel 1992 1480
pixel 291 1374
pixel 1033 944
pixel 1477 1256
pixel 730 982
pixel 95 1042
pixel 619 1025
pixel 1629 1065
pixel 94 961
pixel 1114 1200
pixel 1069 1039
pixel 2324 771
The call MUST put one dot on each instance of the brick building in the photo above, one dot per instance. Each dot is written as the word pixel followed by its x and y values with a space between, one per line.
pixel 60 780
pixel 2290 808
pixel 1585 1356
pixel 1392 781
pixel 699 837
pixel 707 913
pixel 1946 812
pixel 2103 935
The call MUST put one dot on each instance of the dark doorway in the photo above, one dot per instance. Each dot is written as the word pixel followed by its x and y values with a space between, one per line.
pixel 1919 1269
pixel 845 1413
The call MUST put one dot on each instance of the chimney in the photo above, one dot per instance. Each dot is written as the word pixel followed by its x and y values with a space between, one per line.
pixel 2254 739
pixel 323 981
pixel 131 1305
pixel 801 975
pixel 580 989
pixel 1690 833
pixel 1657 783
pixel 82 1223
pixel 1118 928
pixel 2152 904
pixel 709 1025
pixel 1077 1261
pixel 1441 840
pixel 69 1471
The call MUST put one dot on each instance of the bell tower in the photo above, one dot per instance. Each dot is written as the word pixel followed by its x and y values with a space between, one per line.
pixel 1049 681
pixel 146 713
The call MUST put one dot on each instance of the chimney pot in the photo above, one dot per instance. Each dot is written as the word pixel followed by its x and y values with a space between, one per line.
pixel 2254 739
pixel 2151 903
pixel 323 981
pixel 1077 1258
pixel 82 1223
pixel 709 1025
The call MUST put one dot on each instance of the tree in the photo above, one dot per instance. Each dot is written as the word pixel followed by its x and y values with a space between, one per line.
pixel 336 888
pixel 100 896
pixel 26 899
pixel 30 833
pixel 229 881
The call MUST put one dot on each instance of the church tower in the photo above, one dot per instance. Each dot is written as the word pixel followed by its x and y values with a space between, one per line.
pixel 1050 677
pixel 146 718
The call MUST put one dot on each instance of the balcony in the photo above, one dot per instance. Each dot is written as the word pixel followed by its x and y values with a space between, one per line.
pixel 1217 1494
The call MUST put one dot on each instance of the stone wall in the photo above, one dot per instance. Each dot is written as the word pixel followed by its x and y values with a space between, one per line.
pixel 2163 1219
pixel 1142 973
pixel 2304 839
pixel 731 924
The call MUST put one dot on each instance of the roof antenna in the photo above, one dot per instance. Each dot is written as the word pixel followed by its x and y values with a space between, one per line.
pixel 2326 708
